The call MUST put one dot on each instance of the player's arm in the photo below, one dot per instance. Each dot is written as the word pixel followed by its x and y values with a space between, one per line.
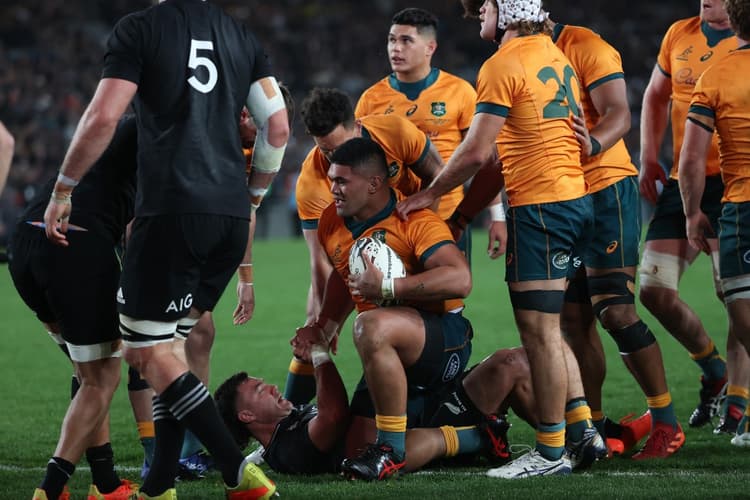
pixel 428 168
pixel 329 426
pixel 7 146
pixel 654 120
pixel 91 138
pixel 320 270
pixel 471 154
pixel 245 282
pixel 692 174
pixel 611 103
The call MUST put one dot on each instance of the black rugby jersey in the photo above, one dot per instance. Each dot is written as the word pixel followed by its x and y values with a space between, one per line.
pixel 290 450
pixel 103 200
pixel 193 65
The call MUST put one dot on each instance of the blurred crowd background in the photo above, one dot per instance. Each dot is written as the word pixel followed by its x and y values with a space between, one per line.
pixel 51 58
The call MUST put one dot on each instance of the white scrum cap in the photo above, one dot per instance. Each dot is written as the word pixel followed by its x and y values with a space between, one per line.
pixel 513 11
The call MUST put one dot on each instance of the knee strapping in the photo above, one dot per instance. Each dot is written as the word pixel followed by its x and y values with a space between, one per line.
pixel 620 285
pixel 135 381
pixel 661 270
pixel 633 338
pixel 546 301
pixel 735 288
pixel 184 326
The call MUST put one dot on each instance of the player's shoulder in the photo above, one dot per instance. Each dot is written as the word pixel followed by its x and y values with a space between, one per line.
pixel 378 87
pixel 453 80
pixel 682 27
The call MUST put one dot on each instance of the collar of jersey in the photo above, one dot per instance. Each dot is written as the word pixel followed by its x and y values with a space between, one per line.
pixel 556 31
pixel 713 37
pixel 357 228
pixel 413 89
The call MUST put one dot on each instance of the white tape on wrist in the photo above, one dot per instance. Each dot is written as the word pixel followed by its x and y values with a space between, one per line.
pixel 319 355
pixel 386 288
pixel 66 181
pixel 497 212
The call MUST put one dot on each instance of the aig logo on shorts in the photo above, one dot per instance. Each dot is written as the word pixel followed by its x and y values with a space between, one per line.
pixel 561 260
pixel 452 367
pixel 180 305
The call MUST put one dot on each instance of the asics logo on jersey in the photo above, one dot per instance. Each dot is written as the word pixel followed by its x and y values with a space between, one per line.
pixel 411 110
pixel 181 304
pixel 685 53
pixel 705 57
pixel 561 260
pixel 612 247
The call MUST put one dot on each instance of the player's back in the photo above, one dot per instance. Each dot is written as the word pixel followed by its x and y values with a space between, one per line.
pixel 531 82
pixel 193 65
pixel 595 62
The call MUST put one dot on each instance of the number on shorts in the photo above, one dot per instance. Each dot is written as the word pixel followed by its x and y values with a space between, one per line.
pixel 195 61
pixel 564 101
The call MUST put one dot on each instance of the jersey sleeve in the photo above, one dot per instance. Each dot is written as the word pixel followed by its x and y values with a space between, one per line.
pixel 261 66
pixel 413 142
pixel 124 56
pixel 363 107
pixel 468 106
pixel 498 83
pixel 663 60
pixel 600 63
pixel 703 101
pixel 311 192
pixel 429 234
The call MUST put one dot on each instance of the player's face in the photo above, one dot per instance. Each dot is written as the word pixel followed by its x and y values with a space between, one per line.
pixel 338 136
pixel 713 11
pixel 488 20
pixel 409 51
pixel 350 190
pixel 263 400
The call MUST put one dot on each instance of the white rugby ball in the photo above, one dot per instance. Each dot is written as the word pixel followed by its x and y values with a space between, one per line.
pixel 378 254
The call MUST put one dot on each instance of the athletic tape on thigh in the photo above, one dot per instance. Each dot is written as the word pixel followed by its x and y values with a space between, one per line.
pixel 85 353
pixel 737 287
pixel 621 285
pixel 632 338
pixel 661 269
pixel 184 327
pixel 546 301
pixel 144 333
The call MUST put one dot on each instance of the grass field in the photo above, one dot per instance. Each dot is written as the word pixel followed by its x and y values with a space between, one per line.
pixel 37 379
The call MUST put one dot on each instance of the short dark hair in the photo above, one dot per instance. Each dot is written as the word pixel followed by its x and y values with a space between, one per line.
pixel 471 7
pixel 421 19
pixel 361 152
pixel 288 102
pixel 739 16
pixel 225 398
pixel 324 109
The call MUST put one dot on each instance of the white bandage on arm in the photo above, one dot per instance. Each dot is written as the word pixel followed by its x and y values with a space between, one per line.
pixel 263 100
pixel 661 269
pixel 497 212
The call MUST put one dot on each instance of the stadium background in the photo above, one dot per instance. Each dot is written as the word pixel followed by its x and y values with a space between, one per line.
pixel 51 53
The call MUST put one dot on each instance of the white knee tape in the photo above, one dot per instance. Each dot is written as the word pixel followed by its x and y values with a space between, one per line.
pixel 661 269
pixel 184 327
pixel 735 288
pixel 144 333
pixel 104 350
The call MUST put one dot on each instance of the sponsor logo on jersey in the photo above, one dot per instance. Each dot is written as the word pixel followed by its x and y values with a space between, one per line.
pixel 705 57
pixel 411 110
pixel 452 367
pixel 393 169
pixel 438 108
pixel 612 247
pixel 452 408
pixel 685 53
pixel 181 304
pixel 388 110
pixel 746 257
pixel 577 262
pixel 561 260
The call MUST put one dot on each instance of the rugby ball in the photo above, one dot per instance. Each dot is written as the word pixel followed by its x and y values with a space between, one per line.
pixel 378 254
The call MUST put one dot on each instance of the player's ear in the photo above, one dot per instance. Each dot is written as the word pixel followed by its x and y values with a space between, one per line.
pixel 246 416
pixel 431 47
pixel 375 183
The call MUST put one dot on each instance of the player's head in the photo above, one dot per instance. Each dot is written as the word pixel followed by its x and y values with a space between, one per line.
pixel 714 12
pixel 244 402
pixel 739 17
pixel 498 16
pixel 359 178
pixel 412 41
pixel 329 118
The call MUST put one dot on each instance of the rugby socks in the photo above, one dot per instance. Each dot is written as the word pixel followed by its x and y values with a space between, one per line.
pixel 744 425
pixel 392 431
pixel 101 461
pixel 599 419
pixel 190 445
pixel 300 382
pixel 147 433
pixel 59 471
pixel 169 435
pixel 550 440
pixel 736 402
pixel 661 409
pixel 577 418
pixel 710 361
pixel 188 400
pixel 459 440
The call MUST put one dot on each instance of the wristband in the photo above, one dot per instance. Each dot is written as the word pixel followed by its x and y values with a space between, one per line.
pixel 497 212
pixel 319 355
pixel 596 148
pixel 245 272
pixel 66 181
pixel 386 287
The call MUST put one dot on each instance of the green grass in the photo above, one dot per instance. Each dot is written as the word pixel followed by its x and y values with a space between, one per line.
pixel 37 379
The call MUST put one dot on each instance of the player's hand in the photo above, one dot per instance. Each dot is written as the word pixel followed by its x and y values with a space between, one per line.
pixel 369 283
pixel 57 216
pixel 582 134
pixel 245 303
pixel 651 172
pixel 498 239
pixel 304 338
pixel 417 201
pixel 697 227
